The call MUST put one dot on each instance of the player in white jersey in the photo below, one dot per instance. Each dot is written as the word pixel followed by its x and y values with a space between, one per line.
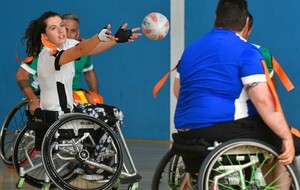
pixel 55 66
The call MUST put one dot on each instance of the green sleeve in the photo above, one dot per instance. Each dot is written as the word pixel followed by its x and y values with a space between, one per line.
pixel 88 62
pixel 267 57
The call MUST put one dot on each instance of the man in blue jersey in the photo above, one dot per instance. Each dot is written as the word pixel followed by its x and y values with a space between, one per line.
pixel 224 92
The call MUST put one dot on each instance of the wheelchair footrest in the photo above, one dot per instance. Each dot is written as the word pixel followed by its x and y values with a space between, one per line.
pixel 131 179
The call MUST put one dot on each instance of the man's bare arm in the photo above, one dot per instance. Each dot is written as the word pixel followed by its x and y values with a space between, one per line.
pixel 262 98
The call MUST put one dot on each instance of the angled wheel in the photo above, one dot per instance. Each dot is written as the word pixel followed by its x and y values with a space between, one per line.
pixel 169 173
pixel 27 161
pixel 12 125
pixel 245 164
pixel 87 147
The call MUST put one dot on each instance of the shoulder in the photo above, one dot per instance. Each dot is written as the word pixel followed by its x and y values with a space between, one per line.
pixel 251 50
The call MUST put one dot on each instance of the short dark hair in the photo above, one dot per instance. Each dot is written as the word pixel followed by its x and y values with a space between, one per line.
pixel 231 14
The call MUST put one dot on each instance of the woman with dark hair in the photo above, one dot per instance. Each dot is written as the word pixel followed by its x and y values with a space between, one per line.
pixel 47 39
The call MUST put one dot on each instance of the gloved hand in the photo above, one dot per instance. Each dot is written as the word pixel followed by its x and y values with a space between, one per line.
pixel 123 35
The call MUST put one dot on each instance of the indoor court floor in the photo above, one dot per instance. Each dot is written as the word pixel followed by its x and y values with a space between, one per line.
pixel 145 154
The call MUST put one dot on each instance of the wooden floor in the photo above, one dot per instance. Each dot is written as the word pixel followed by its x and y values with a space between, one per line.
pixel 146 156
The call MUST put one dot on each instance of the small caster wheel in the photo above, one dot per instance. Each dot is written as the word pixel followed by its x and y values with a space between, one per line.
pixel 46 186
pixel 116 185
pixel 133 186
pixel 20 183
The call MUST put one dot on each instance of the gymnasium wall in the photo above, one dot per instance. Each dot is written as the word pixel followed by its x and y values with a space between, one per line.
pixel 128 72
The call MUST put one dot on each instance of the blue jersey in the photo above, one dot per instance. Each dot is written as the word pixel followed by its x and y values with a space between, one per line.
pixel 212 73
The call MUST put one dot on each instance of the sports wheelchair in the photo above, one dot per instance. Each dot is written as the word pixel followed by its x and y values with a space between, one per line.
pixel 17 117
pixel 78 151
pixel 11 127
pixel 243 164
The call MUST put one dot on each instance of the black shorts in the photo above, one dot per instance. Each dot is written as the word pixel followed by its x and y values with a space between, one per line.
pixel 250 127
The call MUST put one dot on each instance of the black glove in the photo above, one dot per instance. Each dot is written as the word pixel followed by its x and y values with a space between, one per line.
pixel 123 35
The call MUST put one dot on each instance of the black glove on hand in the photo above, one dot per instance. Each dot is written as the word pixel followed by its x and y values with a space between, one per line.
pixel 123 35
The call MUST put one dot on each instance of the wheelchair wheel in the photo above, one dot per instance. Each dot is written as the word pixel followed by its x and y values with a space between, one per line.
pixel 12 125
pixel 245 164
pixel 27 161
pixel 88 146
pixel 169 172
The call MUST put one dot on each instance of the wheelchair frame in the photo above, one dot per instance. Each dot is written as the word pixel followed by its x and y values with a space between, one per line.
pixel 52 179
pixel 212 171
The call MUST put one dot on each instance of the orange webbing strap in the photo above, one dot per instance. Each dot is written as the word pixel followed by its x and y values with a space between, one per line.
pixel 282 75
pixel 48 44
pixel 98 99
pixel 79 95
pixel 76 98
pixel 26 60
pixel 271 85
pixel 295 132
pixel 16 54
pixel 161 82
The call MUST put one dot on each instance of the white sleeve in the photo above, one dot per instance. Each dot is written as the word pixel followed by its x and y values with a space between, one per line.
pixel 177 75
pixel 28 69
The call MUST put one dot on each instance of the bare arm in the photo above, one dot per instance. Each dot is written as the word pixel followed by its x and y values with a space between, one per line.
pixel 93 46
pixel 22 78
pixel 101 47
pixel 263 100
pixel 91 80
pixel 80 50
pixel 176 86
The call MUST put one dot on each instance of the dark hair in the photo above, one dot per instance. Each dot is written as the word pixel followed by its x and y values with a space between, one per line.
pixel 231 14
pixel 33 33
pixel 70 16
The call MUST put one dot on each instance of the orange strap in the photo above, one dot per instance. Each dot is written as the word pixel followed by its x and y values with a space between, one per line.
pixel 271 85
pixel 161 82
pixel 16 54
pixel 76 98
pixel 26 60
pixel 48 44
pixel 282 75
pixel 45 43
pixel 295 132
pixel 98 99
pixel 79 96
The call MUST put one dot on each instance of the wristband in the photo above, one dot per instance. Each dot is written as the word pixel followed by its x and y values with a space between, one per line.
pixel 103 35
